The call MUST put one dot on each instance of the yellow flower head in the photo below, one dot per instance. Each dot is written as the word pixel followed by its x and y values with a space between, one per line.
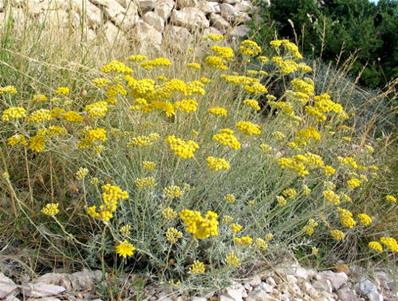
pixel 252 103
pixel 337 234
pixel 173 192
pixel 232 260
pixel 217 164
pixel 376 246
pixel 365 219
pixel 169 214
pixel 235 227
pixel 390 198
pixel 149 165
pixel 181 148
pixel 145 182
pixel 230 198
pixel 249 48
pixel 51 209
pixel 390 243
pixel 62 91
pixel 173 235
pixel 13 113
pixel 125 249
pixel 248 128
pixel 243 241
pixel 197 268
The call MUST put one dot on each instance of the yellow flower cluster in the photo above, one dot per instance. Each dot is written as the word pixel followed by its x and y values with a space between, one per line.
pixel 217 164
pixel 365 219
pixel 186 105
pixel 218 111
pixel 62 91
pixel 97 109
pixel 50 209
pixel 249 48
pixel 125 249
pixel 243 241
pixel 13 113
pixel 8 90
pixel 157 62
pixel 40 116
pixel 169 214
pixel 111 195
pixel 248 128
pixel 81 173
pixel 149 165
pixel 200 227
pixel 216 62
pixel 230 198
pixel 141 141
pixel 337 234
pixel 346 218
pixel 197 268
pixel 331 196
pixel 310 227
pixel 232 260
pixel 290 47
pixel 226 137
pixel 252 103
pixel 390 243
pixel 17 139
pixel 146 182
pixel 181 148
pixel 172 192
pixel 90 137
pixel 173 235
pixel 117 67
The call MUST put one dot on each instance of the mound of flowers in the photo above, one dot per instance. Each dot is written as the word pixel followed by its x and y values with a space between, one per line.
pixel 194 166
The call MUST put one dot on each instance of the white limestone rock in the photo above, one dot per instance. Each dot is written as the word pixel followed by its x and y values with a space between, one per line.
pixel 190 17
pixel 7 286
pixel 154 20
pixel 220 23
pixel 163 8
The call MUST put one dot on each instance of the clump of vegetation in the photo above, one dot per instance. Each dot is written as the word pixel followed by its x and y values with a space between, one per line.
pixel 340 29
pixel 187 167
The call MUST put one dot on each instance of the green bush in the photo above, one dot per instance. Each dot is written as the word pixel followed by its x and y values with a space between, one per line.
pixel 338 29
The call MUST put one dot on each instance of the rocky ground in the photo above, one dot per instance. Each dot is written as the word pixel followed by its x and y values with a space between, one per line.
pixel 290 282
pixel 146 22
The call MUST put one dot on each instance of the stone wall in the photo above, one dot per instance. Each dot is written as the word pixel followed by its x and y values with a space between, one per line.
pixel 148 22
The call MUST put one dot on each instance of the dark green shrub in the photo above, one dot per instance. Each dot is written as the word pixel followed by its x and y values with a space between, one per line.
pixel 339 29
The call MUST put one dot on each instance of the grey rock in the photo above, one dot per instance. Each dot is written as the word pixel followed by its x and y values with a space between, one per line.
pixel 154 20
pixel 347 294
pixel 255 281
pixel 11 298
pixel 209 7
pixel 7 286
pixel 271 281
pixel 190 17
pixel 147 35
pixel 336 279
pixel 236 292
pixel 229 13
pixel 240 31
pixel 163 8
pixel 39 290
pixel 220 23
pixel 146 5
pixel 259 295
pixel 186 3
pixel 323 285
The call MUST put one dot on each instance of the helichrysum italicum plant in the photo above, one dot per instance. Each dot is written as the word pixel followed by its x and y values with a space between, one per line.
pixel 189 172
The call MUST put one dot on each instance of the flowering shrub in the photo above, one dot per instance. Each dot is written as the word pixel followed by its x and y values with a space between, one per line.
pixel 195 171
